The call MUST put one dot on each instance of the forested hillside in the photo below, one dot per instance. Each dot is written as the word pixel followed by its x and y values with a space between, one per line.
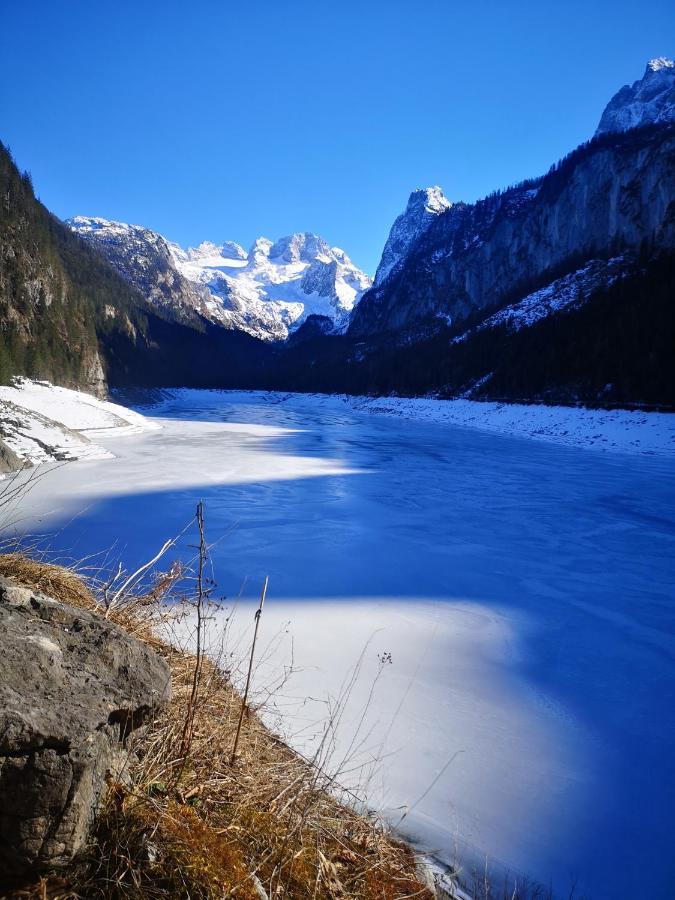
pixel 56 295
pixel 614 346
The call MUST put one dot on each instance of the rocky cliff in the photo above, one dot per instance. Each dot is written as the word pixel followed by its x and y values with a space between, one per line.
pixel 612 194
pixel 55 294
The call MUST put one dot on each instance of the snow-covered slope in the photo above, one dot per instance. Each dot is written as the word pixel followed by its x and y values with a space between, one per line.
pixel 651 99
pixel 423 207
pixel 570 290
pixel 267 292
pixel 40 422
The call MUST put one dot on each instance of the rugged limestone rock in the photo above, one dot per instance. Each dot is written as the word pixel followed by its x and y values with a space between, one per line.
pixel 423 207
pixel 267 292
pixel 649 100
pixel 73 687
pixel 9 461
pixel 610 196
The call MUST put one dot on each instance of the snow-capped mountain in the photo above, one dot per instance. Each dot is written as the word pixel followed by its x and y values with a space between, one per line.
pixel 423 207
pixel 273 288
pixel 454 261
pixel 267 292
pixel 651 99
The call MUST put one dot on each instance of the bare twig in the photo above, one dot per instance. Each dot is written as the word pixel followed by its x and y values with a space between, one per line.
pixel 250 668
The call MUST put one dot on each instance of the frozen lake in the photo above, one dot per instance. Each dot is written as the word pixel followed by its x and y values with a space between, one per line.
pixel 524 590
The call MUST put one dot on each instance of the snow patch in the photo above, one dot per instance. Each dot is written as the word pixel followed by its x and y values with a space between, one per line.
pixel 41 422
pixel 569 291
pixel 629 431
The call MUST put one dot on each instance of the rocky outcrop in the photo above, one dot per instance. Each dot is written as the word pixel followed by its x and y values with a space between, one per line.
pixel 422 208
pixel 611 195
pixel 647 101
pixel 73 687
pixel 9 460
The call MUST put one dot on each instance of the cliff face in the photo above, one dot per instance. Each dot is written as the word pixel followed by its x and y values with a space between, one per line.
pixel 144 259
pixel 56 295
pixel 612 194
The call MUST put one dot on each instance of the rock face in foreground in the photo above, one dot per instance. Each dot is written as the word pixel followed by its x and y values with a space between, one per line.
pixel 72 688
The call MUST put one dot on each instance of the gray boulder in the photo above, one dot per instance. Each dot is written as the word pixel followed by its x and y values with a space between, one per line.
pixel 73 687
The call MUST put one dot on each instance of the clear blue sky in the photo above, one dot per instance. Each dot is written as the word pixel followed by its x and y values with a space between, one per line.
pixel 224 121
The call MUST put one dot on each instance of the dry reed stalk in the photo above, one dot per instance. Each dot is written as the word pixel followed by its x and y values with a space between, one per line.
pixel 244 699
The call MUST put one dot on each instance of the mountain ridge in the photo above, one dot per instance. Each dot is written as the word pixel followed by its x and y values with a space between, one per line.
pixel 267 292
pixel 468 299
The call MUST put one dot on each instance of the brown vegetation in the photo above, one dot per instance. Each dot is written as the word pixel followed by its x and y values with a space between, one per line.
pixel 192 823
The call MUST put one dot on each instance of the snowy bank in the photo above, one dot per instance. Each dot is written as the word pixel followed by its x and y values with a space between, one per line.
pixel 630 431
pixel 40 422
pixel 627 431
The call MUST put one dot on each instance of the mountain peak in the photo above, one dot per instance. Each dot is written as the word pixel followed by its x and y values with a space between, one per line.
pixel 651 99
pixel 301 246
pixel 659 63
pixel 424 205
pixel 207 249
pixel 431 199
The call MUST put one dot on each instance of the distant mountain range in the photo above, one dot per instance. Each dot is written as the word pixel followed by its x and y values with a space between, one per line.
pixel 559 288
pixel 268 292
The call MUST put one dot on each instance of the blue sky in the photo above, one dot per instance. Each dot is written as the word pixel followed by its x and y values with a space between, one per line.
pixel 223 121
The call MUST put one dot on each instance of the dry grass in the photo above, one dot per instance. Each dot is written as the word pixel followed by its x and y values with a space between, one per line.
pixel 193 825
pixel 56 581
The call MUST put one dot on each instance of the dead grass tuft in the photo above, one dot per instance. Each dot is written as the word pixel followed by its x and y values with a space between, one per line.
pixel 57 581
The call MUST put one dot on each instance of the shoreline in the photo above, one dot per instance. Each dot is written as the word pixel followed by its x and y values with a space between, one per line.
pixel 616 430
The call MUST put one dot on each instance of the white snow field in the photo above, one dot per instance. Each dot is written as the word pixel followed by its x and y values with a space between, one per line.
pixel 523 588
pixel 40 422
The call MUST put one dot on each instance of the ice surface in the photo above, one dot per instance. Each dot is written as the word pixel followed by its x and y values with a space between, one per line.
pixel 524 589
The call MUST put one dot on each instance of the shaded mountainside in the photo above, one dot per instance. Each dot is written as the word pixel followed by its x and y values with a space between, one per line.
pixel 614 345
pixel 144 259
pixel 606 197
pixel 55 295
